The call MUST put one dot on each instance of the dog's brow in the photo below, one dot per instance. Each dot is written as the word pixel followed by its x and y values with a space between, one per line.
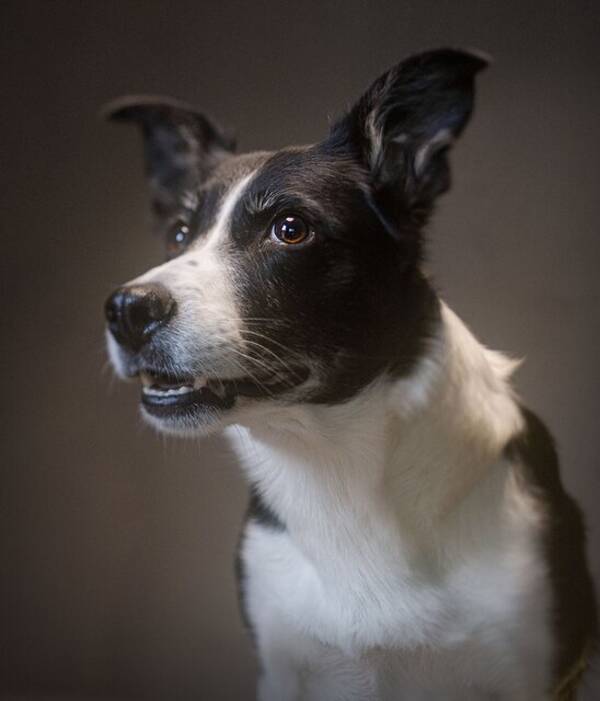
pixel 258 202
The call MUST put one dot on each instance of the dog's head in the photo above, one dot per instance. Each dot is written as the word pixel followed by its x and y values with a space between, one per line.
pixel 292 276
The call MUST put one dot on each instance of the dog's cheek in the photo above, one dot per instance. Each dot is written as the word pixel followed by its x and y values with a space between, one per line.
pixel 307 294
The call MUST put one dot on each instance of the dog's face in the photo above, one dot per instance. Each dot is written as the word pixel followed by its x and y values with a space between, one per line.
pixel 291 276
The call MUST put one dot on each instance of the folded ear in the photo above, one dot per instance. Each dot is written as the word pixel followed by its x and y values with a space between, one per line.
pixel 181 145
pixel 403 126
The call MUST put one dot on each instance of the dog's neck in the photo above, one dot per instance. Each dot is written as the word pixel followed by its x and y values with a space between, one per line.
pixel 404 453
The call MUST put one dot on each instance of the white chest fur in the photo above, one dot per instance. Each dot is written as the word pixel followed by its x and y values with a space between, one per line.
pixel 410 562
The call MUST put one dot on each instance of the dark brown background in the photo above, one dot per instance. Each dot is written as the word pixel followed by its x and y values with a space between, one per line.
pixel 117 544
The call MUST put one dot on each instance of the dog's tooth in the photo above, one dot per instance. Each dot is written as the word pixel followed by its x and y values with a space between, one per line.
pixel 167 392
pixel 184 389
pixel 200 382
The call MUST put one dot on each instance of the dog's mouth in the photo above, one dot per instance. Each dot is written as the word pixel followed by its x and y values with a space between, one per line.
pixel 165 395
pixel 171 396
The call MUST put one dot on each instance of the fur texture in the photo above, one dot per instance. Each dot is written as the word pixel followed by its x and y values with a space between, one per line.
pixel 407 535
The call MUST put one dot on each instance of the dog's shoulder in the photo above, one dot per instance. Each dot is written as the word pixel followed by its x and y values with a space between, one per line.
pixel 535 462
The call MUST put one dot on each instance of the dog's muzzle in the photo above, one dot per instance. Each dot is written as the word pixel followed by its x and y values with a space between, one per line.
pixel 177 392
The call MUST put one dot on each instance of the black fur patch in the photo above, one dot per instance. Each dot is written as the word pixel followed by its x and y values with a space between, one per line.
pixel 575 618
pixel 405 123
pixel 181 145
pixel 257 512
pixel 352 304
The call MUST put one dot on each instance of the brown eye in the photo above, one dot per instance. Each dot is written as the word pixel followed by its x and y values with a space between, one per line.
pixel 291 230
pixel 177 238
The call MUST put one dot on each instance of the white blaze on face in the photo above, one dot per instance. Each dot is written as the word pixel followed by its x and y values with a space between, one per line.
pixel 201 281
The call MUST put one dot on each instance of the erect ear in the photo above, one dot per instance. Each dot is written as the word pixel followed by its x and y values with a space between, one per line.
pixel 403 126
pixel 181 145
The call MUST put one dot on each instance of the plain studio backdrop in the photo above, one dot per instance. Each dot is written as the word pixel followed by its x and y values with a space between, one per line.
pixel 118 544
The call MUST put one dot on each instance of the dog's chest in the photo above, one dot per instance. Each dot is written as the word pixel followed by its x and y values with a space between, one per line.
pixel 428 636
pixel 349 576
pixel 367 599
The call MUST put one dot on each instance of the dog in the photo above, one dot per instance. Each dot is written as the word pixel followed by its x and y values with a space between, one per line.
pixel 407 536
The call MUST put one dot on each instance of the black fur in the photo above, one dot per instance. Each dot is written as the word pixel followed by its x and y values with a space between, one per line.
pixel 395 128
pixel 353 304
pixel 575 617
pixel 258 513
pixel 181 146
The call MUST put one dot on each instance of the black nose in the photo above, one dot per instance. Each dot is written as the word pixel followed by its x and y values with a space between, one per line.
pixel 135 313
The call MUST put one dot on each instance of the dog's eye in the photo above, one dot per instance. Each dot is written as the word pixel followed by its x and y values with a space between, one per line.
pixel 291 230
pixel 177 238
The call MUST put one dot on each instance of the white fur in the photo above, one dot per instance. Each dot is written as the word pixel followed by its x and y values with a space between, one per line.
pixel 410 567
pixel 202 283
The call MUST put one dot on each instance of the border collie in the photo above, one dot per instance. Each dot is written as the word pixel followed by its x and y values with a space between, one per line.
pixel 408 536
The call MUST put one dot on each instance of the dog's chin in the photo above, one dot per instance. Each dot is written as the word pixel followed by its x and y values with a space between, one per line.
pixel 196 421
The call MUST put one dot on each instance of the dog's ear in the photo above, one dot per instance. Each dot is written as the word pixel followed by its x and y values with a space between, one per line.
pixel 181 145
pixel 403 126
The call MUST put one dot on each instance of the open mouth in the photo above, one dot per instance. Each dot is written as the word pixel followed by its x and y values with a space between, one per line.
pixel 189 397
pixel 167 395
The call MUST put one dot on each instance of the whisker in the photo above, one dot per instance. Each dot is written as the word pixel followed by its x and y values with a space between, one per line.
pixel 292 353
pixel 269 339
pixel 281 364
pixel 245 370
pixel 285 365
pixel 273 320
